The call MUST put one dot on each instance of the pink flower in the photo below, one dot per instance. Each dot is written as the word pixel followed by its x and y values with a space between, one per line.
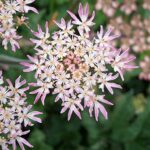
pixel 37 65
pixel 11 17
pixel 95 105
pixel 42 91
pixel 72 67
pixel 145 66
pixel 105 81
pixel 63 24
pixel 11 36
pixel 24 6
pixel 61 92
pixel 4 93
pixel 15 114
pixel 70 55
pixel 1 78
pixel 105 39
pixel 73 86
pixel 84 23
pixel 122 60
pixel 28 115
pixel 67 61
pixel 76 65
pixel 16 89
pixel 16 137
pixel 77 60
pixel 66 27
pixel 42 36
pixel 73 106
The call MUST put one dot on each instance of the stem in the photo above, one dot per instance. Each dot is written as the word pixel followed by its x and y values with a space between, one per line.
pixel 10 60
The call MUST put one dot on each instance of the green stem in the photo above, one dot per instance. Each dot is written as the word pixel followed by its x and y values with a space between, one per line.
pixel 10 60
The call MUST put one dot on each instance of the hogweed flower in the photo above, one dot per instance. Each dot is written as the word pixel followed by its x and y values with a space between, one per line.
pixel 133 27
pixel 145 65
pixel 137 27
pixel 146 4
pixel 128 6
pixel 108 7
pixel 75 66
pixel 9 11
pixel 15 114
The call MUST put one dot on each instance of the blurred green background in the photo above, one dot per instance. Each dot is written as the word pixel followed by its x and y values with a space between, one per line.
pixel 128 126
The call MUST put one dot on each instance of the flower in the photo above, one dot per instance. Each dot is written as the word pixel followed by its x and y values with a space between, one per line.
pixel 131 24
pixel 36 66
pixel 129 6
pixel 122 60
pixel 1 78
pixel 73 105
pixel 95 105
pixel 145 66
pixel 66 27
pixel 11 36
pixel 104 81
pixel 43 36
pixel 76 66
pixel 24 8
pixel 16 137
pixel 9 13
pixel 104 40
pixel 108 7
pixel 146 4
pixel 42 91
pixel 83 23
pixel 15 114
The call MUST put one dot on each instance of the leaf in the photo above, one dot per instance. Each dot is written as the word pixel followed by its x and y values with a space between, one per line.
pixel 37 138
pixel 134 146
pixel 130 132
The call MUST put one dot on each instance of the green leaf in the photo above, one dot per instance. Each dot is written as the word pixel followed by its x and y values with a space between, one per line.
pixel 37 138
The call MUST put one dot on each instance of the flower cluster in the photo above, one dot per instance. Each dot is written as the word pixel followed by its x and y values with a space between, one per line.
pixel 15 114
pixel 145 65
pixel 75 66
pixel 109 7
pixel 146 4
pixel 137 33
pixel 10 20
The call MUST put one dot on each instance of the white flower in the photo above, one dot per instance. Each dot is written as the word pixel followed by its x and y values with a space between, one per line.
pixel 1 78
pixel 24 6
pixel 105 79
pixel 42 91
pixel 61 92
pixel 4 93
pixel 62 77
pixel 66 27
pixel 104 39
pixel 84 23
pixel 11 15
pixel 75 65
pixel 15 114
pixel 90 80
pixel 73 86
pixel 73 106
